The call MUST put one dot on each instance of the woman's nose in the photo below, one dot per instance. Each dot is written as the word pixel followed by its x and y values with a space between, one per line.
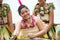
pixel 25 13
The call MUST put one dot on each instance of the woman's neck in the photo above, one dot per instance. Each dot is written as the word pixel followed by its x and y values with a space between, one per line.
pixel 42 4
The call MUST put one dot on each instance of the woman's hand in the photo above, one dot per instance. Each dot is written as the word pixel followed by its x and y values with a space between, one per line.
pixel 13 37
pixel 31 35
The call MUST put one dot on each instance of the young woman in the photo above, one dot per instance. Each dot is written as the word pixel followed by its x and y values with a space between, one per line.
pixel 30 26
pixel 46 13
pixel 5 21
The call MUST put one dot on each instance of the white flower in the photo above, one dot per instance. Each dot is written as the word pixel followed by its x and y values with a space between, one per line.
pixel 42 8
pixel 46 11
pixel 42 12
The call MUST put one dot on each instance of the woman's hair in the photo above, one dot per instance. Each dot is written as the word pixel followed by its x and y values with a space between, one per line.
pixel 44 0
pixel 20 7
pixel 37 4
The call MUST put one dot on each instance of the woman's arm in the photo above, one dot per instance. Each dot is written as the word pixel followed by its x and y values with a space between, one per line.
pixel 10 24
pixel 17 29
pixel 41 27
pixel 51 18
pixel 39 23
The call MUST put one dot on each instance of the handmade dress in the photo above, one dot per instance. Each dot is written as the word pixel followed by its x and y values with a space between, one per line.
pixel 4 21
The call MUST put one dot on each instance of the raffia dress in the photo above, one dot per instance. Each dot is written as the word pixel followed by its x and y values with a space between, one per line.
pixel 44 16
pixel 3 21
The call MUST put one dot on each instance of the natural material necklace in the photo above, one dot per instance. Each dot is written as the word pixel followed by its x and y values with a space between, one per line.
pixel 2 11
pixel 31 25
pixel 44 10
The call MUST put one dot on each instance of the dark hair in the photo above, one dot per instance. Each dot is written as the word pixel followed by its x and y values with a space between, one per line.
pixel 37 4
pixel 20 7
pixel 45 0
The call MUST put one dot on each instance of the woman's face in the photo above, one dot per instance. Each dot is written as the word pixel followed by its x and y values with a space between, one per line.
pixel 1 1
pixel 41 1
pixel 25 13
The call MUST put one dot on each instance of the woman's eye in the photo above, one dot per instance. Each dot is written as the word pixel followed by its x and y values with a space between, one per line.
pixel 26 11
pixel 22 13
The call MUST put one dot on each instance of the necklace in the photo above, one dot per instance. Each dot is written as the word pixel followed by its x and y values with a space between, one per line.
pixel 2 11
pixel 31 25
pixel 44 9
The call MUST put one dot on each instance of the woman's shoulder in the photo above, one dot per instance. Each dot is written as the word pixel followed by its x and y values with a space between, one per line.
pixel 18 23
pixel 51 5
pixel 6 7
pixel 36 18
pixel 5 4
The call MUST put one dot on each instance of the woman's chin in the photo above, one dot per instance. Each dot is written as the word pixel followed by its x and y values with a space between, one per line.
pixel 27 17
